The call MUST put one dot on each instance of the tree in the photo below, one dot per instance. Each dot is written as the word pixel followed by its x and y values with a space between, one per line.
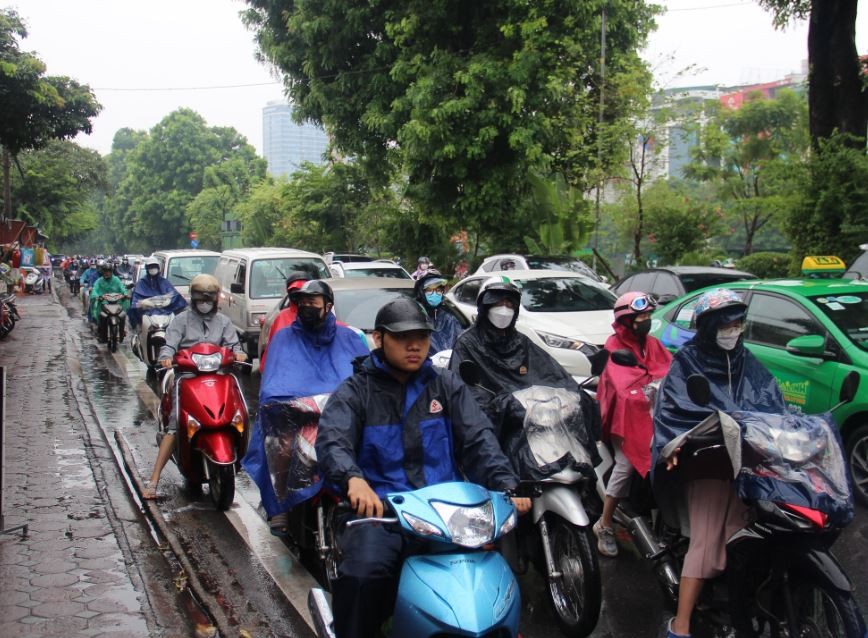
pixel 564 212
pixel 837 92
pixel 56 189
pixel 755 154
pixel 34 108
pixel 680 219
pixel 463 98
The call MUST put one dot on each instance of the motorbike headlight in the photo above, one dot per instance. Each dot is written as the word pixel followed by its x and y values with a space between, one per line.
pixel 254 318
pixel 471 526
pixel 421 527
pixel 207 362
pixel 557 341
pixel 508 524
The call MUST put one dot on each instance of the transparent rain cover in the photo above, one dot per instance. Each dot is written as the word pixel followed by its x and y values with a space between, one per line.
pixel 547 413
pixel 795 449
pixel 290 437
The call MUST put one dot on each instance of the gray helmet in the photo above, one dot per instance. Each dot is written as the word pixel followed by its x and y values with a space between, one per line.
pixel 313 288
pixel 495 289
pixel 402 315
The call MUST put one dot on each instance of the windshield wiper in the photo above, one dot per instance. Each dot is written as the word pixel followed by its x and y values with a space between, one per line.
pixel 177 276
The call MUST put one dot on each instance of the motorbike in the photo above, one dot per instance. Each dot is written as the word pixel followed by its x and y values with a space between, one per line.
pixel 781 573
pixel 8 314
pixel 558 538
pixel 150 335
pixel 72 274
pixel 33 280
pixel 461 587
pixel 112 313
pixel 206 402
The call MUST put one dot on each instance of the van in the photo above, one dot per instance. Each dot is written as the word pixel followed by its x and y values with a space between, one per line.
pixel 180 266
pixel 253 281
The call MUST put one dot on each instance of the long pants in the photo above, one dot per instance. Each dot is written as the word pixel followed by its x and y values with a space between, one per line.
pixel 367 584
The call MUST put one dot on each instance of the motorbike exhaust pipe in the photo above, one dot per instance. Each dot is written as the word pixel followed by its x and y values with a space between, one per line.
pixel 650 547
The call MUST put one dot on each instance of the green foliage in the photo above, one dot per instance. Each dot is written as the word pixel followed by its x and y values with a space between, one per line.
pixel 832 218
pixel 680 220
pixel 701 257
pixel 765 265
pixel 463 98
pixel 563 216
pixel 56 189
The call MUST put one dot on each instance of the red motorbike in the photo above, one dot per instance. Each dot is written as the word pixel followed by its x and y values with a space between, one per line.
pixel 206 402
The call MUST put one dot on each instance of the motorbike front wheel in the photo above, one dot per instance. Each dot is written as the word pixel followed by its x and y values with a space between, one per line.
pixel 221 482
pixel 113 337
pixel 823 612
pixel 575 595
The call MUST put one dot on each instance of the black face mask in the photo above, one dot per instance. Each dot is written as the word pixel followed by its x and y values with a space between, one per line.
pixel 310 317
pixel 642 328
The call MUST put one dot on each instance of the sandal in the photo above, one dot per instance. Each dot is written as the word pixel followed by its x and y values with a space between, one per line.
pixel 149 491
pixel 278 525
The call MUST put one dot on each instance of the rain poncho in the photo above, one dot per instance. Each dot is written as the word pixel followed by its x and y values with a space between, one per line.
pixel 305 366
pixel 624 405
pixel 508 362
pixel 103 286
pixel 151 287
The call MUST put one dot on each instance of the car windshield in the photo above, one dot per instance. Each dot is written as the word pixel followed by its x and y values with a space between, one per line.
pixel 268 276
pixel 695 281
pixel 859 268
pixel 563 294
pixel 183 269
pixel 392 273
pixel 849 312
pixel 358 308
pixel 561 263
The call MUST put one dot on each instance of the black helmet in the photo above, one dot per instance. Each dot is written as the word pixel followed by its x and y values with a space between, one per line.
pixel 402 315
pixel 106 266
pixel 495 289
pixel 312 288
pixel 297 275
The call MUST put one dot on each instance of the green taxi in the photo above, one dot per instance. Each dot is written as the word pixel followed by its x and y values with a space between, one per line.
pixel 810 333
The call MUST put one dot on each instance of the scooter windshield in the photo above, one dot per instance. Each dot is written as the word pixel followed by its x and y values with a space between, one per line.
pixel 157 301
pixel 551 417
pixel 290 429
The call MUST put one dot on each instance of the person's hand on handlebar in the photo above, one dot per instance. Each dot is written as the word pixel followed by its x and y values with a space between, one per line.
pixel 522 505
pixel 363 499
pixel 672 461
pixel 166 363
pixel 241 357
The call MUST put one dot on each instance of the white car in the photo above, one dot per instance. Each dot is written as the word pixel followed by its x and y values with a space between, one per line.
pixel 380 268
pixel 568 315
pixel 494 264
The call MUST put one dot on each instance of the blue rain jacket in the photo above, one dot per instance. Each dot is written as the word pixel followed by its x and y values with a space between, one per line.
pixel 301 363
pixel 401 437
pixel 151 287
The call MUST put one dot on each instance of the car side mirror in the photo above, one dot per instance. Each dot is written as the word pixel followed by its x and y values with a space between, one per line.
pixel 624 358
pixel 698 389
pixel 237 288
pixel 808 346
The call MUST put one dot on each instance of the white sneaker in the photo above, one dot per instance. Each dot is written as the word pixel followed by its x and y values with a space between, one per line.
pixel 606 544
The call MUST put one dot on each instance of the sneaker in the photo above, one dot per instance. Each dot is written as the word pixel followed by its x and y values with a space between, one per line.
pixel 606 544
pixel 672 634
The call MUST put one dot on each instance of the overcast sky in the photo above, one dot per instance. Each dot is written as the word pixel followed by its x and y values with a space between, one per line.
pixel 146 59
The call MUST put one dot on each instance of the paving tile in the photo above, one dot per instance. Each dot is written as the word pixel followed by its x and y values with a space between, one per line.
pixel 55 595
pixel 54 580
pixel 102 550
pixel 58 609
pixel 53 566
pixel 11 613
pixel 108 605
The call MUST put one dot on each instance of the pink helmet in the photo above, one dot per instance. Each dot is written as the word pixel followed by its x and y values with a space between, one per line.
pixel 633 303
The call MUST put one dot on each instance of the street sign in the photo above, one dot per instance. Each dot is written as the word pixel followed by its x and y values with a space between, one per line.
pixel 194 243
pixel 193 235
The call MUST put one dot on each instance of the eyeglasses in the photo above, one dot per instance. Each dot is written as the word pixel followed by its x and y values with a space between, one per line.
pixel 640 304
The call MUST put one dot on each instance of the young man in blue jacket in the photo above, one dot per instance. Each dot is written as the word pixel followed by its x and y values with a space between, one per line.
pixel 398 424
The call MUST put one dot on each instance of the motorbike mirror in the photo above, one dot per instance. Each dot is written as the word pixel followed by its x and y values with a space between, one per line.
pixel 470 372
pixel 698 389
pixel 624 357
pixel 598 361
pixel 849 387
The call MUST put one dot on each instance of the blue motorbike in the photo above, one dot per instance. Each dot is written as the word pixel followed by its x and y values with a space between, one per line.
pixel 462 586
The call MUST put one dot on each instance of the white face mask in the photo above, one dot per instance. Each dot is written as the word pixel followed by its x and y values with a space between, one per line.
pixel 204 307
pixel 153 272
pixel 727 338
pixel 501 316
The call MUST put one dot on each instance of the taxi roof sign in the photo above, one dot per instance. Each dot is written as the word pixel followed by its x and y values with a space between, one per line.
pixel 823 265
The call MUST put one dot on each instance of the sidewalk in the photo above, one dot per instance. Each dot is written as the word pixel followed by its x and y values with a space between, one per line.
pixel 69 575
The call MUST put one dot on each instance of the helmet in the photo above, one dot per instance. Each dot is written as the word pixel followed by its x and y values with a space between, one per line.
pixel 423 260
pixel 495 289
pixel 105 266
pixel 312 288
pixel 717 300
pixel 402 315
pixel 633 303
pixel 204 287
pixel 431 278
pixel 151 261
pixel 297 278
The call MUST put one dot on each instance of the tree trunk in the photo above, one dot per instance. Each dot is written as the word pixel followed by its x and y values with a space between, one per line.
pixel 7 185
pixel 637 236
pixel 836 97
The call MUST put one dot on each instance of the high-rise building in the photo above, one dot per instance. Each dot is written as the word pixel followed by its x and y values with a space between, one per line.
pixel 286 145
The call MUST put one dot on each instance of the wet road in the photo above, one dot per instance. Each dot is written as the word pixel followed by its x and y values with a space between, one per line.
pixel 632 603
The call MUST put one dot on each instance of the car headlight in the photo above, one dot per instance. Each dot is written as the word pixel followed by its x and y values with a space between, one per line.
pixel 468 526
pixel 207 362
pixel 420 526
pixel 557 341
pixel 254 318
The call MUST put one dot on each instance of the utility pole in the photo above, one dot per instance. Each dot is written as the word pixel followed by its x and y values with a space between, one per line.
pixel 599 133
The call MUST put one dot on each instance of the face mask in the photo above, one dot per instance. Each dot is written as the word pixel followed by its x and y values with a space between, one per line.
pixel 501 316
pixel 642 328
pixel 153 272
pixel 204 307
pixel 309 316
pixel 727 338
pixel 434 299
